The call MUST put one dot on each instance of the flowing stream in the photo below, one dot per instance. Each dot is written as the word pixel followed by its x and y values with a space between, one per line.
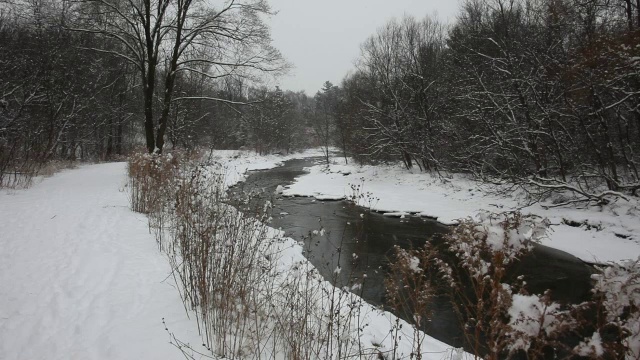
pixel 371 237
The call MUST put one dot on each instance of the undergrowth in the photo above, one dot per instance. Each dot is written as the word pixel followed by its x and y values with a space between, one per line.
pixel 253 294
pixel 500 319
pixel 255 297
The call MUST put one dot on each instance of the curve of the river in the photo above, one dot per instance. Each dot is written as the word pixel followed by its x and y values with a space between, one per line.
pixel 353 230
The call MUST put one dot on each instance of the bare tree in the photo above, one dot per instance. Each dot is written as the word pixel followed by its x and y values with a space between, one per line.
pixel 403 59
pixel 161 38
pixel 55 102
pixel 539 93
pixel 324 118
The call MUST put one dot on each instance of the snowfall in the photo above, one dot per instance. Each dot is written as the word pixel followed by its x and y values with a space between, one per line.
pixel 81 277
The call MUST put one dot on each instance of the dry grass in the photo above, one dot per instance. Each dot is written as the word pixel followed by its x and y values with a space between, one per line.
pixel 248 303
pixel 411 290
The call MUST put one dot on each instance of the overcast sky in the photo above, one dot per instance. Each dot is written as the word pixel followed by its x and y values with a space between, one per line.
pixel 322 38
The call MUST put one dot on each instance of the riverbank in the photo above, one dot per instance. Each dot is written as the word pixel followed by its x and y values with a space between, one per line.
pixel 381 329
pixel 598 234
pixel 363 194
pixel 82 277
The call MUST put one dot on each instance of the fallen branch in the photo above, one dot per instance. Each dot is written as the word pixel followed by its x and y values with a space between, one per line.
pixel 598 198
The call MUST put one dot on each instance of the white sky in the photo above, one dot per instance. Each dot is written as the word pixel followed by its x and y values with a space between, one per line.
pixel 322 37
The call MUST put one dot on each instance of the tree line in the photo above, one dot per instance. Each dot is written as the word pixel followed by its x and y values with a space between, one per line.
pixel 536 92
pixel 97 79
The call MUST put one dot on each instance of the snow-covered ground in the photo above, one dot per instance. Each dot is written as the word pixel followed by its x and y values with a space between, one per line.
pixel 80 275
pixel 613 234
pixel 237 163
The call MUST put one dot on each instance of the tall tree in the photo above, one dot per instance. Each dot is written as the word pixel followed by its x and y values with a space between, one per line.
pixel 161 38
pixel 326 110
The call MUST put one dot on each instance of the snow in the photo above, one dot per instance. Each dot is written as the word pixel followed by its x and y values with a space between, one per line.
pixel 414 264
pixel 399 214
pixel 530 229
pixel 320 232
pixel 620 284
pixel 592 345
pixel 593 245
pixel 529 315
pixel 238 162
pixel 611 233
pixel 80 275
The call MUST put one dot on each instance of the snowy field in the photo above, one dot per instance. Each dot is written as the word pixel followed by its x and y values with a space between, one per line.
pixel 613 233
pixel 81 276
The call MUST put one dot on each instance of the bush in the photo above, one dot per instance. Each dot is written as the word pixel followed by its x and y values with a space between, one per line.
pixel 500 319
pixel 617 298
pixel 498 322
pixel 151 181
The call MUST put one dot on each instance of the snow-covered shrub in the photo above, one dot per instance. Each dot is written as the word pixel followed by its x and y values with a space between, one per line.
pixel 358 196
pixel 219 256
pixel 617 291
pixel 322 317
pixel 152 179
pixel 221 261
pixel 474 267
pixel 316 320
pixel 226 264
pixel 534 322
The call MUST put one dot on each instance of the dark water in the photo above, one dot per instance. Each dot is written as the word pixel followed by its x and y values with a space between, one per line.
pixel 371 237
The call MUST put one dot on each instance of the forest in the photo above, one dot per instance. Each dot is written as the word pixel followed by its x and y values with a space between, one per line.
pixel 542 93
pixel 539 93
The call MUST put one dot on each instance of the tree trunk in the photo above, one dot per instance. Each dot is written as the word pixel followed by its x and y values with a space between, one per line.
pixel 149 78
pixel 148 118
pixel 110 128
pixel 119 138
pixel 629 9
pixel 407 159
pixel 121 117
pixel 170 80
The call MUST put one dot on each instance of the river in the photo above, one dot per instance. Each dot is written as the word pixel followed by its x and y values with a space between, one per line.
pixel 350 230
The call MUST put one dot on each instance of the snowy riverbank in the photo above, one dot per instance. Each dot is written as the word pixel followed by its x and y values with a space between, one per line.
pixel 612 233
pixel 81 277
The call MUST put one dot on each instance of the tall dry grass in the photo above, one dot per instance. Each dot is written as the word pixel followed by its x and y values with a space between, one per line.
pixel 253 296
